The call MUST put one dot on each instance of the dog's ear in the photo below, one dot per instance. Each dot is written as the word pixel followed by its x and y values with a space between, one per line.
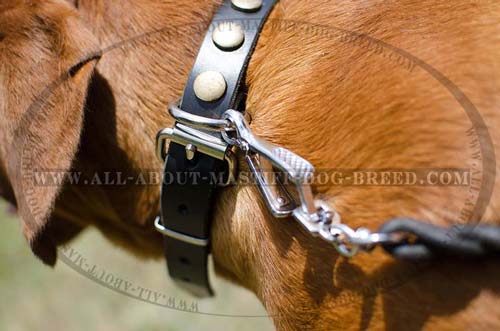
pixel 47 57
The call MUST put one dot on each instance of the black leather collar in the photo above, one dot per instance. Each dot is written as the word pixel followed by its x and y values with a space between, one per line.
pixel 186 204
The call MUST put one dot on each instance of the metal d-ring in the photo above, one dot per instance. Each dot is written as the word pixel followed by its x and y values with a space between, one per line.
pixel 196 121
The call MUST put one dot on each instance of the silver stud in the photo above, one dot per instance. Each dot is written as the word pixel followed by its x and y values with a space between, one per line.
pixel 209 86
pixel 228 35
pixel 247 5
pixel 190 151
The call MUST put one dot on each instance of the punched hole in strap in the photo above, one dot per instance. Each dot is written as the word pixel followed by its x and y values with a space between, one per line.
pixel 184 260
pixel 182 209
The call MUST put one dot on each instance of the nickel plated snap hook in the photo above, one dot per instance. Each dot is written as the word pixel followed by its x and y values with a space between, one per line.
pixel 262 157
pixel 276 169
pixel 315 215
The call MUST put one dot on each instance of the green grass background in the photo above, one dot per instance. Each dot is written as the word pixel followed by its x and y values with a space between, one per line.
pixel 36 297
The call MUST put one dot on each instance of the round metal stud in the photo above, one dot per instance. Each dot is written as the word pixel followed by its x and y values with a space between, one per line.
pixel 247 5
pixel 209 86
pixel 228 35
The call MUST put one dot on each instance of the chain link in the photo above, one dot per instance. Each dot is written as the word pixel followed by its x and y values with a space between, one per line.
pixel 345 239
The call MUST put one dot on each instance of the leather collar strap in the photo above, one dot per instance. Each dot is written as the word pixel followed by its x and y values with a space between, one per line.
pixel 186 204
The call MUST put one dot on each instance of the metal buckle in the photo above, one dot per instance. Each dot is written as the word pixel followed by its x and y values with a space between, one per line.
pixel 196 140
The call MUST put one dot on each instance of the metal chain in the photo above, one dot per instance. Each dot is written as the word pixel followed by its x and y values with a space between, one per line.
pixel 346 240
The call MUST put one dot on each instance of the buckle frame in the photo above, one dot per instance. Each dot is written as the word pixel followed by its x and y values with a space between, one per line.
pixel 184 135
pixel 196 140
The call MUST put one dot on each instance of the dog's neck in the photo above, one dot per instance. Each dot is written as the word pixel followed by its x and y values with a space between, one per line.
pixel 343 113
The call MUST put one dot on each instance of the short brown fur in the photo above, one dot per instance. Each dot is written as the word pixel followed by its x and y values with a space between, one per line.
pixel 316 87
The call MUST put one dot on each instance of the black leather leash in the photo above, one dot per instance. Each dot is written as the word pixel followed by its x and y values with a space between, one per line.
pixel 187 197
pixel 430 241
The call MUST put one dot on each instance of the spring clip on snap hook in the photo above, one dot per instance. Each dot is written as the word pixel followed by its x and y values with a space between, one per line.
pixel 262 157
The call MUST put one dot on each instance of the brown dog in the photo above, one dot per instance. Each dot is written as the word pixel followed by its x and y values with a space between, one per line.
pixel 84 86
